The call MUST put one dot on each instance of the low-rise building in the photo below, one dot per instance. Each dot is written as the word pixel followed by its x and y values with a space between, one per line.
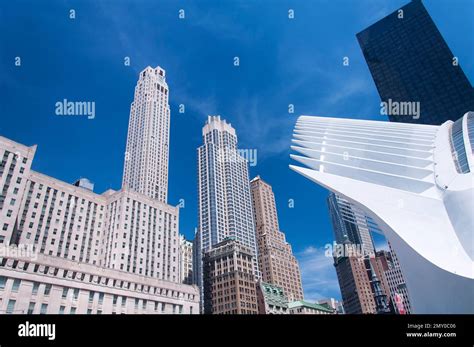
pixel 271 299
pixel 304 307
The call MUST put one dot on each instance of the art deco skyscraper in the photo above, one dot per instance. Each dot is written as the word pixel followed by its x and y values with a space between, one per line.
pixel 278 265
pixel 146 157
pixel 225 202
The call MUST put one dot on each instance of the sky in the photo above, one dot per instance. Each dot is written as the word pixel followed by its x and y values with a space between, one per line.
pixel 282 61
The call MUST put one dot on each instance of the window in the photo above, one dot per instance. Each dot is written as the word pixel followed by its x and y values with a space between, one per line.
pixel 76 293
pixel 16 285
pixel 44 308
pixel 35 288
pixel 31 308
pixel 73 310
pixel 47 289
pixel 3 281
pixel 11 306
pixel 62 309
pixel 64 295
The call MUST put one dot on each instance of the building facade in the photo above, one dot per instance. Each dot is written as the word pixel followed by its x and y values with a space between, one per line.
pixel 277 264
pixel 352 230
pixel 229 279
pixel 396 282
pixel 410 62
pixel 146 157
pixel 224 198
pixel 304 307
pixel 186 260
pixel 75 235
pixel 354 282
pixel 271 299
pixel 415 182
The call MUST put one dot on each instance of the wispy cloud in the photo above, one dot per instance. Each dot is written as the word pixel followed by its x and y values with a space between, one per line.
pixel 318 274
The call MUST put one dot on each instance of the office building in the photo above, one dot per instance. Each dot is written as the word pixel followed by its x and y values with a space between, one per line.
pixel 410 62
pixel 120 246
pixel 277 264
pixel 229 279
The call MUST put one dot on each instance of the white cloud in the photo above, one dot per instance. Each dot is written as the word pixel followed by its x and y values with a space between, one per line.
pixel 318 274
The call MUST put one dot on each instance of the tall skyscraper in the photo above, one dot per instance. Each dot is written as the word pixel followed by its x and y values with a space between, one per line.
pixel 410 62
pixel 278 265
pixel 229 279
pixel 225 202
pixel 146 157
pixel 350 224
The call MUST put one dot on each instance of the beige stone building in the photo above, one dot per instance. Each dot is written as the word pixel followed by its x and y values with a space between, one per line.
pixel 278 265
pixel 185 260
pixel 117 244
pixel 229 280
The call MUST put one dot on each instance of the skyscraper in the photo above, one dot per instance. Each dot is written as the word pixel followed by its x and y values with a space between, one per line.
pixel 417 186
pixel 146 157
pixel 277 264
pixel 225 202
pixel 410 62
pixel 350 224
pixel 353 228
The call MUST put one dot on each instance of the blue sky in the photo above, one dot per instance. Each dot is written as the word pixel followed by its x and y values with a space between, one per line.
pixel 282 62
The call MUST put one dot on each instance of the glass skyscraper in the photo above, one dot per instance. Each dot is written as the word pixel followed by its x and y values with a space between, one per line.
pixel 410 62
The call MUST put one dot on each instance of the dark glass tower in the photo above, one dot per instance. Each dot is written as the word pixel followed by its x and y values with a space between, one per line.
pixel 410 62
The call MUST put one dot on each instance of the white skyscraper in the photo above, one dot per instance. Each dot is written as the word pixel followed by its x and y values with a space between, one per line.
pixel 225 202
pixel 146 157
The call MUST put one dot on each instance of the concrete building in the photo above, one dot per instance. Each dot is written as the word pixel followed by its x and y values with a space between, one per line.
pixel 75 235
pixel 271 299
pixel 415 182
pixel 229 279
pixel 186 260
pixel 146 157
pixel 304 307
pixel 225 202
pixel 37 283
pixel 276 261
